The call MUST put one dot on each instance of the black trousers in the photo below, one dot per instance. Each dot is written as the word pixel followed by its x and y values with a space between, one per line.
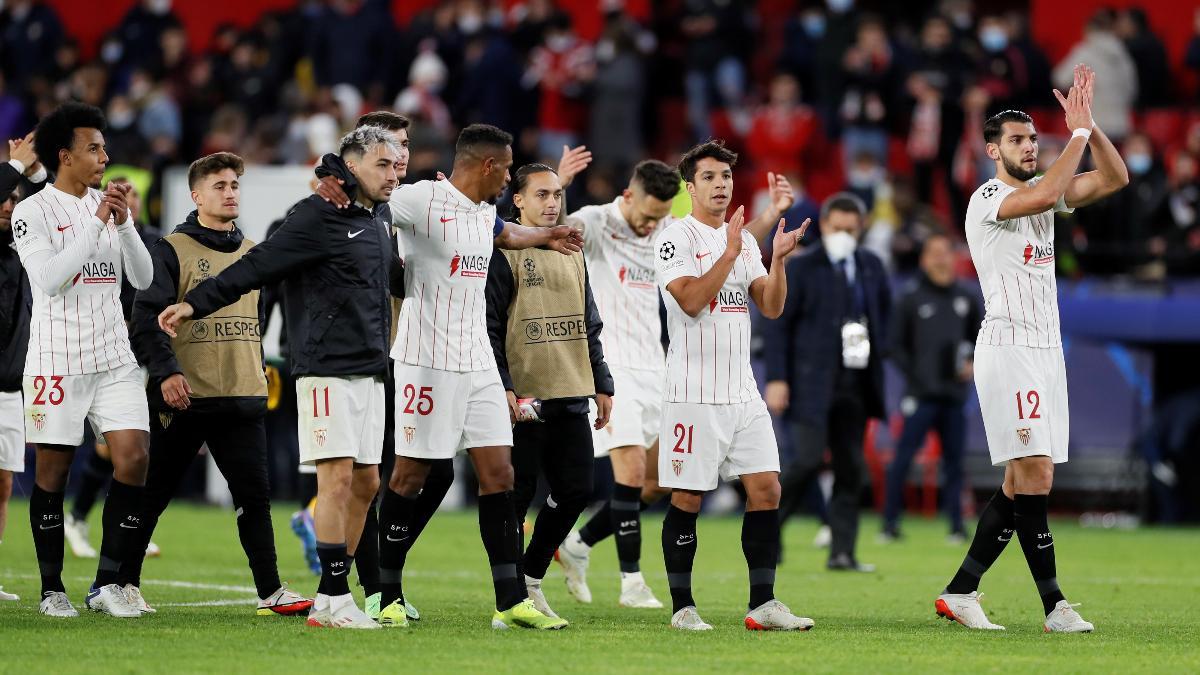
pixel 238 445
pixel 559 448
pixel 842 432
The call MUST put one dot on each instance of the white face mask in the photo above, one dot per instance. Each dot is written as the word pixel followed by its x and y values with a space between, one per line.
pixel 839 245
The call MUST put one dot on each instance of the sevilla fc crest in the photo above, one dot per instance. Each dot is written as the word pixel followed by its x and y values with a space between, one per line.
pixel 1023 435
pixel 677 466
pixel 319 435
pixel 39 420
pixel 409 434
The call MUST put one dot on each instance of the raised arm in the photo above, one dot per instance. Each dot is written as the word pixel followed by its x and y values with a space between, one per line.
pixel 693 293
pixel 781 200
pixel 770 292
pixel 1047 192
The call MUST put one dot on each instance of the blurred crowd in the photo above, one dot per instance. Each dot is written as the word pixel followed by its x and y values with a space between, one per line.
pixel 889 105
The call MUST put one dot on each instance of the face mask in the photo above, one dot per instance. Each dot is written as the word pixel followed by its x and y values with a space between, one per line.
pixel 1139 163
pixel 993 39
pixel 863 179
pixel 839 245
pixel 839 6
pixel 160 7
pixel 814 25
pixel 121 119
pixel 111 52
pixel 470 24
pixel 559 43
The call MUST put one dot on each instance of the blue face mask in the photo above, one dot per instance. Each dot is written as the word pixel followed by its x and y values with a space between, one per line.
pixel 814 25
pixel 993 39
pixel 1139 164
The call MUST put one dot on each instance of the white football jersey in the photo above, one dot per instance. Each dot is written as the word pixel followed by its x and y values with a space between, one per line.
pixel 80 330
pixel 708 360
pixel 1015 262
pixel 621 270
pixel 446 242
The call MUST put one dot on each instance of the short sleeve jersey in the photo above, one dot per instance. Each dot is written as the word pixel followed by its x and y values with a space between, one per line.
pixel 1015 262
pixel 708 360
pixel 81 329
pixel 621 270
pixel 446 243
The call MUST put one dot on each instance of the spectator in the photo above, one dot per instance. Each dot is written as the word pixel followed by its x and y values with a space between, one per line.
pixel 141 31
pixel 716 33
pixel 159 122
pixel 801 36
pixel 1116 237
pixel 865 175
pixel 421 100
pixel 939 60
pixel 1001 70
pixel 870 73
pixel 1178 242
pixel 782 131
pixel 1149 58
pixel 561 68
pixel 30 32
pixel 1037 65
pixel 489 75
pixel 354 45
pixel 1116 75
pixel 619 94
pixel 934 130
pixel 916 222
pixel 12 114
pixel 841 25
pixel 1192 56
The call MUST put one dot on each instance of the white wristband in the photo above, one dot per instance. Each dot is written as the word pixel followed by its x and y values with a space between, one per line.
pixel 1085 134
pixel 17 164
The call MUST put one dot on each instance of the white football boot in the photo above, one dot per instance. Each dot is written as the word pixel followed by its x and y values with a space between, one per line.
pixel 636 594
pixel 688 619
pixel 8 597
pixel 134 595
pixel 345 613
pixel 111 600
pixel 1064 619
pixel 965 609
pixel 774 615
pixel 573 556
pixel 533 588
pixel 57 604
pixel 76 533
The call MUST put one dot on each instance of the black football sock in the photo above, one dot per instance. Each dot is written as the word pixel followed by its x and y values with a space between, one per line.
pixel 395 539
pixel 95 475
pixel 122 531
pixel 501 535
pixel 679 552
pixel 599 526
pixel 760 545
pixel 437 484
pixel 993 533
pixel 366 556
pixel 333 568
pixel 46 522
pixel 626 524
pixel 1038 544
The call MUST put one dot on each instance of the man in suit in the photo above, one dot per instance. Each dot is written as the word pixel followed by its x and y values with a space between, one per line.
pixel 825 366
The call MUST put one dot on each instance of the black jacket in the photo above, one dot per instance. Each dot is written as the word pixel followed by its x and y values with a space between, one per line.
pixel 499 293
pixel 16 306
pixel 804 346
pixel 339 267
pixel 152 346
pixel 16 299
pixel 934 333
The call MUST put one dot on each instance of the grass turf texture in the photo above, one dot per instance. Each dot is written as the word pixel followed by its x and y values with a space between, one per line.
pixel 1139 588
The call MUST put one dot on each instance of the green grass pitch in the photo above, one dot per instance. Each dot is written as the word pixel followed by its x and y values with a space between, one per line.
pixel 1141 589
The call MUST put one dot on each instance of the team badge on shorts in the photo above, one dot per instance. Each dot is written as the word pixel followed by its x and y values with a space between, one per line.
pixel 320 436
pixel 164 419
pixel 1023 435
pixel 677 465
pixel 409 434
pixel 39 420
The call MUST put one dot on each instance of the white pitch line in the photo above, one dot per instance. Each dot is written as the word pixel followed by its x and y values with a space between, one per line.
pixel 206 603
pixel 174 583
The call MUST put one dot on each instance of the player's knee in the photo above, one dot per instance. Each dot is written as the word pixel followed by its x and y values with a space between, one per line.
pixel 764 496
pixel 406 484
pixel 686 501
pixel 497 478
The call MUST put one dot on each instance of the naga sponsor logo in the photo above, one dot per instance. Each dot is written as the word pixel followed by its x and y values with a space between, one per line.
pixel 469 265
pixel 636 277
pixel 729 301
pixel 1039 254
pixel 97 273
